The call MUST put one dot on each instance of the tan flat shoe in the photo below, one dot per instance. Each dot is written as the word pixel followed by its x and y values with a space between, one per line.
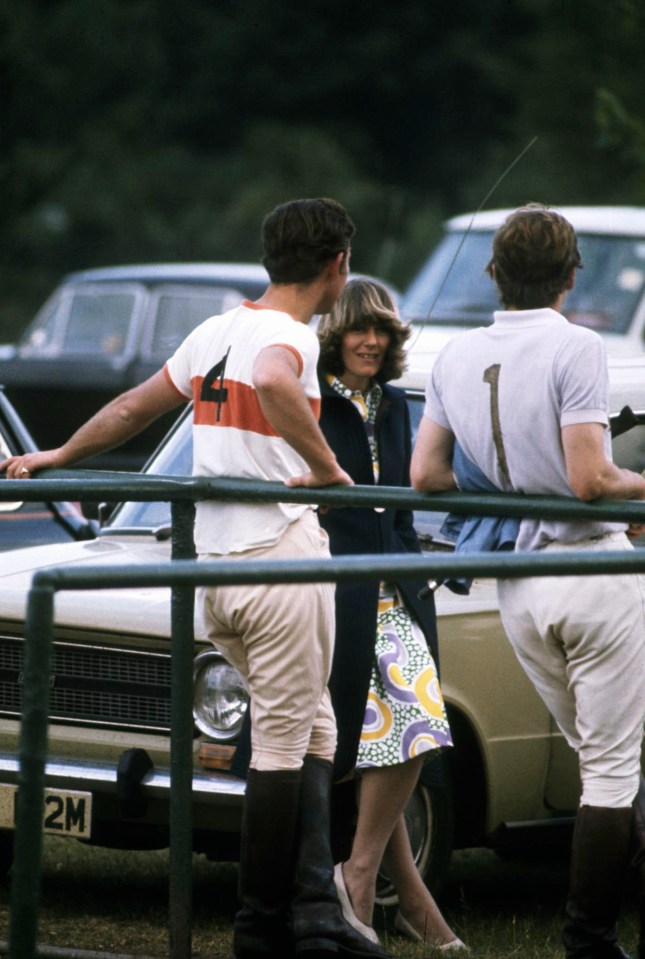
pixel 347 909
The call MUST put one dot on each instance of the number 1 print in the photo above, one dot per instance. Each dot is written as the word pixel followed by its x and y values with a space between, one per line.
pixel 491 376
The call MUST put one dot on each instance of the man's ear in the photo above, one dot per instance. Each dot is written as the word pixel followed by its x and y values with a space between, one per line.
pixel 342 262
pixel 571 282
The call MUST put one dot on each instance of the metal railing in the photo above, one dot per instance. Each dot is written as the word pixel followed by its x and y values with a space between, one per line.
pixel 182 575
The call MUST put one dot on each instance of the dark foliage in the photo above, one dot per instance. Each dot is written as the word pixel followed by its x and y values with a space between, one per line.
pixel 149 130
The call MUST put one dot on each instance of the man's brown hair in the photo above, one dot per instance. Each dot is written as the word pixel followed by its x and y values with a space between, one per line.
pixel 534 253
pixel 363 303
pixel 300 237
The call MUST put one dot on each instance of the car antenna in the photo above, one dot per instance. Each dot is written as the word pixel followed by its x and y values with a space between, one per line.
pixel 503 176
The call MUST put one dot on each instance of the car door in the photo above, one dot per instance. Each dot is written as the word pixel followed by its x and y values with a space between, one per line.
pixel 33 523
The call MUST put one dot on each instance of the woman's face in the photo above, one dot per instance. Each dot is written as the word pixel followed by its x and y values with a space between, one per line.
pixel 362 353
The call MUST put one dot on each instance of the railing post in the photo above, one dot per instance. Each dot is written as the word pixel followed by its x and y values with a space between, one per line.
pixel 181 741
pixel 28 839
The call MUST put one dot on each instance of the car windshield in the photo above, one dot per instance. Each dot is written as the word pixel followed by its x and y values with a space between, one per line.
pixel 173 458
pixel 454 289
pixel 87 319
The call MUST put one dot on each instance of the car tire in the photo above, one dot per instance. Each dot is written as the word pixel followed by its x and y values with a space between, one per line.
pixel 429 818
pixel 6 852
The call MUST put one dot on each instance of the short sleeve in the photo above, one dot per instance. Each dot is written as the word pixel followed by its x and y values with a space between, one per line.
pixel 583 382
pixel 178 368
pixel 434 408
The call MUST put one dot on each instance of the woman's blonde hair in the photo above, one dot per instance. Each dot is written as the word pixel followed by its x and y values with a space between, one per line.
pixel 363 303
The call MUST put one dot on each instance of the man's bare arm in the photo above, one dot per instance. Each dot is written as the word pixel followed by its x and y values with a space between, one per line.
pixel 122 418
pixel 590 473
pixel 286 407
pixel 431 466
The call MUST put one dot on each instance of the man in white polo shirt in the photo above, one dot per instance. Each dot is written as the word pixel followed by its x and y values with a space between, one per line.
pixel 251 375
pixel 526 399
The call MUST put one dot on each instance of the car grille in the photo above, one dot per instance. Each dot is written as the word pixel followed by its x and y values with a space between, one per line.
pixel 94 685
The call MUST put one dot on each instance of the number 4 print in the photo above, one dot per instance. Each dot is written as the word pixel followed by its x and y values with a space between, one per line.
pixel 491 376
pixel 212 393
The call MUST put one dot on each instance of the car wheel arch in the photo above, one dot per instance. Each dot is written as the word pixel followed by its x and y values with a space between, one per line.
pixel 469 781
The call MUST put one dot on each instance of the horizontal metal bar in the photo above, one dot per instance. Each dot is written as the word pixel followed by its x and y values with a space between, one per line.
pixel 361 567
pixel 96 485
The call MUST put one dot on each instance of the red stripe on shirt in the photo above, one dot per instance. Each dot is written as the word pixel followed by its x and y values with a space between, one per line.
pixel 237 406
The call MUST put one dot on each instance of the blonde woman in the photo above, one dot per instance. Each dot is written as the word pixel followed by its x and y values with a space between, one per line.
pixel 384 685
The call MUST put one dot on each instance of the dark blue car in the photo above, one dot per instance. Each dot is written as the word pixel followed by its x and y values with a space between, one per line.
pixel 104 331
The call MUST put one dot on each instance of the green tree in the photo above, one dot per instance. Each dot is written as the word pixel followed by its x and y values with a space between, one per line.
pixel 146 129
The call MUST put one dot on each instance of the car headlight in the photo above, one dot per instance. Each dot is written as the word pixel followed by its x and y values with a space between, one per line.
pixel 220 697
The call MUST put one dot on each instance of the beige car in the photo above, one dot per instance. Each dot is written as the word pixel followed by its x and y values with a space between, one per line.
pixel 510 780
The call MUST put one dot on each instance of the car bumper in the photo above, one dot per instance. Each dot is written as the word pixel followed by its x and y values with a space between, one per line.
pixel 209 787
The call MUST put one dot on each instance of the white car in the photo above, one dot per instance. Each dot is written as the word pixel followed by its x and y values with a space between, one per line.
pixel 452 291
pixel 511 778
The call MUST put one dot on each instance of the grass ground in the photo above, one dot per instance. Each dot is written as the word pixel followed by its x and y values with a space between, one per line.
pixel 116 902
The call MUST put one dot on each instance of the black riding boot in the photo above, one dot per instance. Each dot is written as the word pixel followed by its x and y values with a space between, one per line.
pixel 599 868
pixel 638 861
pixel 318 923
pixel 261 927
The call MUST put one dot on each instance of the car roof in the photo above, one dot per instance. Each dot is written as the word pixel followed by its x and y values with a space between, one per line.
pixel 619 220
pixel 221 273
pixel 173 273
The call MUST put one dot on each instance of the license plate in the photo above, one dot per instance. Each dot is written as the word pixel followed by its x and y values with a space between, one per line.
pixel 67 812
